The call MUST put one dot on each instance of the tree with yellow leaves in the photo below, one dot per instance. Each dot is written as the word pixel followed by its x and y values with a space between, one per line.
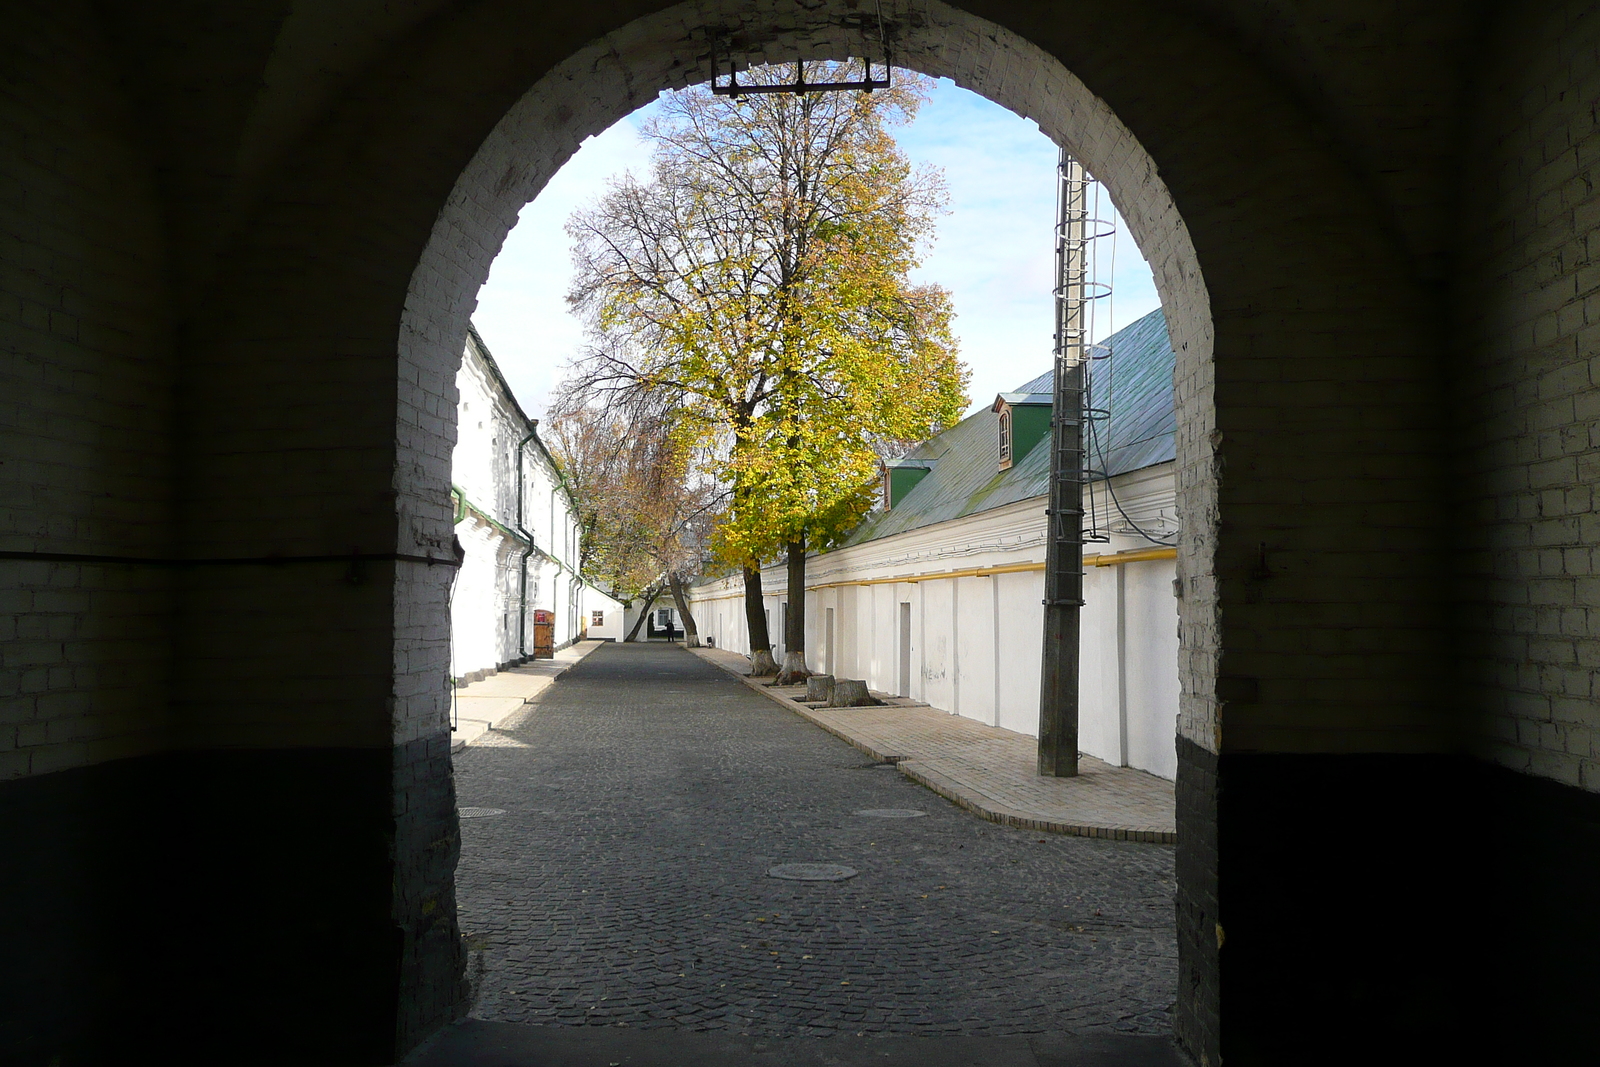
pixel 643 518
pixel 757 286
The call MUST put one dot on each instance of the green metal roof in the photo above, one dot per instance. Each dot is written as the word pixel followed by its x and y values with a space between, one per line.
pixel 1134 386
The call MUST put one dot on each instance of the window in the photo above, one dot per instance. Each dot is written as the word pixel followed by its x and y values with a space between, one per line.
pixel 597 618
pixel 1005 437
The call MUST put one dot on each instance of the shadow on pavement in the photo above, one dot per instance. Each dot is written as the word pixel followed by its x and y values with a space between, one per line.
pixel 474 1043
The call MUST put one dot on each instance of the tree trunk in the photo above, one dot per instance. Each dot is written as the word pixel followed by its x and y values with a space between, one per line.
pixel 755 620
pixel 851 693
pixel 691 632
pixel 644 613
pixel 794 635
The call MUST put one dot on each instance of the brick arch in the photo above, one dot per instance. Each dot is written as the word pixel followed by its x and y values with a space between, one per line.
pixel 1299 268
pixel 330 183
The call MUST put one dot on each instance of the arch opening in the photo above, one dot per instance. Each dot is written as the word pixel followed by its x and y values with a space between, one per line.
pixel 668 51
pixel 239 341
pixel 619 73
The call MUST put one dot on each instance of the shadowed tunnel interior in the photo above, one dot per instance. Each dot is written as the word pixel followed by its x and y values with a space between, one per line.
pixel 240 244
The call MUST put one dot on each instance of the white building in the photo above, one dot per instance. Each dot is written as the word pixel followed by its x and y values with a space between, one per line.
pixel 938 597
pixel 516 522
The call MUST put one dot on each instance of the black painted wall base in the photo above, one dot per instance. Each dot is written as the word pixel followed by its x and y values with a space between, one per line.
pixel 1409 908
pixel 296 906
pixel 230 907
pixel 1539 858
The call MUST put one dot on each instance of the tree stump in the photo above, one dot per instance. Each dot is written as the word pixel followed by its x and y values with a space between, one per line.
pixel 851 693
pixel 819 687
pixel 794 669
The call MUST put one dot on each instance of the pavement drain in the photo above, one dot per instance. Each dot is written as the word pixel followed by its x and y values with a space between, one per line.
pixel 479 813
pixel 813 872
pixel 891 813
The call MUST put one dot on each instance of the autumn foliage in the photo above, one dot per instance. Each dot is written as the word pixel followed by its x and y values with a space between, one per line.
pixel 750 298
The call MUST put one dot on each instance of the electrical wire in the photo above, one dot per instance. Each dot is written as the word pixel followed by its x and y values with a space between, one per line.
pixel 1096 443
pixel 1105 476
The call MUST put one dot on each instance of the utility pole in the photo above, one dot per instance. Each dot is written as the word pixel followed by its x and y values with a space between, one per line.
pixel 1063 573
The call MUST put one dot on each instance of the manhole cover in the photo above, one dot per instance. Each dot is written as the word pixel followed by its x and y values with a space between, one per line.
pixel 813 872
pixel 479 813
pixel 892 813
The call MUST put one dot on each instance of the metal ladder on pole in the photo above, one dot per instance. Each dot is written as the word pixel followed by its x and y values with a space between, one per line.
pixel 1075 292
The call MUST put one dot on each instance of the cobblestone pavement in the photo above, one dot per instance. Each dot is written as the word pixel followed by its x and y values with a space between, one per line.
pixel 645 799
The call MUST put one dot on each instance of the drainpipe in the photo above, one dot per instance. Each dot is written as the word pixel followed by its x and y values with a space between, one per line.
pixel 522 595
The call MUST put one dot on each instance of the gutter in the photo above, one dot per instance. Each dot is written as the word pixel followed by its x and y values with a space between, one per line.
pixel 561 479
pixel 522 591
pixel 1109 559
pixel 465 507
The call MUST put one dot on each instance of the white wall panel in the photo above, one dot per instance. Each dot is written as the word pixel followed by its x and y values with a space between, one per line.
pixel 1152 681
pixel 974 639
pixel 1021 641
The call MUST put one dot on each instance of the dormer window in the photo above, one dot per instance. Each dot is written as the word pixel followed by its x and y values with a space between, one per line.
pixel 900 476
pixel 1022 421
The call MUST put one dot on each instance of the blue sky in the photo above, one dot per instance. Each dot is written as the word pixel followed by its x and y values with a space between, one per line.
pixel 993 251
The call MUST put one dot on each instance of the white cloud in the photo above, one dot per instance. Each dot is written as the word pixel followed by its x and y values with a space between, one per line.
pixel 993 252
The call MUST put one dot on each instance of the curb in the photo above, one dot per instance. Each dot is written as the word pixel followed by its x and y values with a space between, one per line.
pixel 968 800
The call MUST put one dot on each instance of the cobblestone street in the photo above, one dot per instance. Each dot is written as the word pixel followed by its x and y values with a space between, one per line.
pixel 625 884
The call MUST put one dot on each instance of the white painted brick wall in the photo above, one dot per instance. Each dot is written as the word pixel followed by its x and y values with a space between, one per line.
pixel 85 406
pixel 1531 404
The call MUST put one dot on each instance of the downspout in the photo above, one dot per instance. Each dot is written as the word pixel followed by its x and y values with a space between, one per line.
pixel 522 593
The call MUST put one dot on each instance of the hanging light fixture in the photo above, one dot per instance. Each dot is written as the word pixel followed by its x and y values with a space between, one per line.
pixel 725 45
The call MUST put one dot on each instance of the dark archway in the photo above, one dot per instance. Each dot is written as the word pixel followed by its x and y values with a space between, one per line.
pixel 1281 283
pixel 245 248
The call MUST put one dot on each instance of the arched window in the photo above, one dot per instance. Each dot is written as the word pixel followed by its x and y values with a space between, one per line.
pixel 1005 437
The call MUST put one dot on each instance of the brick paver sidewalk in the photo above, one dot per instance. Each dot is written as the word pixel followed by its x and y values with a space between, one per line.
pixel 988 770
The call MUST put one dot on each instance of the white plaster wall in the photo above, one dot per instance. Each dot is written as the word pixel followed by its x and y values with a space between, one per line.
pixel 483 604
pixel 1099 664
pixel 934 615
pixel 487 626
pixel 483 464
pixel 976 663
pixel 1152 685
pixel 976 641
pixel 610 628
pixel 1019 634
